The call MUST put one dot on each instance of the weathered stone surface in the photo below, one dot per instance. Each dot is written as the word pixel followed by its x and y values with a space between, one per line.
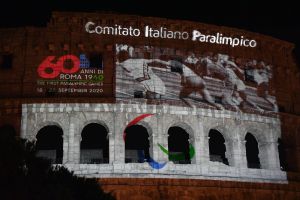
pixel 73 121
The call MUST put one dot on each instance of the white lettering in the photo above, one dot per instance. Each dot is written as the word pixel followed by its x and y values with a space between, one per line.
pixel 252 43
pixel 112 30
pixel 164 33
pixel 87 27
pixel 219 39
pixel 196 34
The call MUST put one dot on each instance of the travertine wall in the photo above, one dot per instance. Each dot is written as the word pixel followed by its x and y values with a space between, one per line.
pixel 72 118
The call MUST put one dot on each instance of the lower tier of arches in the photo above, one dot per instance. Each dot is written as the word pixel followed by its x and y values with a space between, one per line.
pixel 131 140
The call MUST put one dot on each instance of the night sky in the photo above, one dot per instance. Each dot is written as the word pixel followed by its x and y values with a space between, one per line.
pixel 279 19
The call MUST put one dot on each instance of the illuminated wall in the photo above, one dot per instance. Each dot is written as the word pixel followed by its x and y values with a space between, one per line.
pixel 147 74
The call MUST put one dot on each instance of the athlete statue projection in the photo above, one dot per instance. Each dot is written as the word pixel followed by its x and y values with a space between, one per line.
pixel 215 80
pixel 139 69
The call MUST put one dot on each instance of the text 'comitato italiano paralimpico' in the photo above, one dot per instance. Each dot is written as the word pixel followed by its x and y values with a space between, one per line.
pixel 165 33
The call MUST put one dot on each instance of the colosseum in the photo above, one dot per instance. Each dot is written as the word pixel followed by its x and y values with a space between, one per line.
pixel 156 108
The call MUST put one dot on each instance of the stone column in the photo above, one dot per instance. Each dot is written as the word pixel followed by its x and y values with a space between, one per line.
pixel 238 158
pixel 73 152
pixel 228 152
pixel 274 161
pixel 268 155
pixel 202 150
pixel 201 144
pixel 152 138
pixel 198 132
pixel 111 147
pixel 192 141
pixel 66 149
pixel 119 143
pixel 162 139
pixel 152 142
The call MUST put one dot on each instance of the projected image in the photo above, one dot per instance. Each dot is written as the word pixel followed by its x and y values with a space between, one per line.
pixel 210 80
pixel 70 74
pixel 139 152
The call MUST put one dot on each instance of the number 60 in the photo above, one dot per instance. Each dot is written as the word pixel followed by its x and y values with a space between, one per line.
pixel 48 69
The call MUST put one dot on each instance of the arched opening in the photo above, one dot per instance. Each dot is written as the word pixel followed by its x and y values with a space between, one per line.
pixel 217 147
pixel 178 145
pixel 49 143
pixel 252 151
pixel 282 158
pixel 94 146
pixel 136 144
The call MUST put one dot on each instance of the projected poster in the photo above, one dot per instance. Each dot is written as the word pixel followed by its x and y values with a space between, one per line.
pixel 153 75
pixel 70 74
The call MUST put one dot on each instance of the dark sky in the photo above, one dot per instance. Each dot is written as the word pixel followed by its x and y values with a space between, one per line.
pixel 280 19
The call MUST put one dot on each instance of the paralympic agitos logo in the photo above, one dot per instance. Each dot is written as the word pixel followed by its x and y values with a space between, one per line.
pixel 154 164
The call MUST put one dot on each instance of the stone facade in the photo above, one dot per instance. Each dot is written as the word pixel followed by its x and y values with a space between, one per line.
pixel 72 118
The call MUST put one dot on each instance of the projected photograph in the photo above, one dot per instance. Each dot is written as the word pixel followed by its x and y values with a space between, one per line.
pixel 154 75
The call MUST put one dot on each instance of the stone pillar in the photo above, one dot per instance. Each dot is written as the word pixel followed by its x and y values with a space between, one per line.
pixel 76 148
pixel 119 143
pixel 162 139
pixel 111 147
pixel 66 149
pixel 151 140
pixel 198 132
pixel 268 155
pixel 193 143
pixel 73 152
pixel 274 162
pixel 228 152
pixel 196 144
pixel 238 158
pixel 202 150
pixel 201 144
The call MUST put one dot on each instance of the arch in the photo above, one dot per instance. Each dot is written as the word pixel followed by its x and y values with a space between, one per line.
pixel 257 133
pixel 217 148
pixel 94 146
pixel 48 123
pixel 49 143
pixel 252 151
pixel 146 126
pixel 178 145
pixel 137 144
pixel 225 130
pixel 186 127
pixel 95 121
